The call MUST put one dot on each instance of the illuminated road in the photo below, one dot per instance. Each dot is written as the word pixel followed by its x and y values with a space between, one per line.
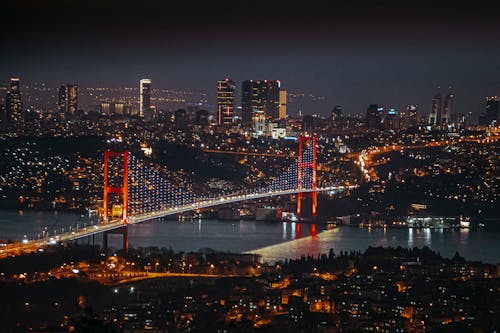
pixel 77 233
pixel 365 159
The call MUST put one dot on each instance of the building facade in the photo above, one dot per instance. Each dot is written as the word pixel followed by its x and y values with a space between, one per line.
pixel 261 95
pixel 13 102
pixel 435 114
pixel 68 100
pixel 145 99
pixel 225 101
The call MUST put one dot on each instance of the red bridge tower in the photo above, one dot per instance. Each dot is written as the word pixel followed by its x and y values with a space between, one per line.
pixel 305 166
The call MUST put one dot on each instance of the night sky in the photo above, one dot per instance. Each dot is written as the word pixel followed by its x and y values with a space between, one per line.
pixel 354 54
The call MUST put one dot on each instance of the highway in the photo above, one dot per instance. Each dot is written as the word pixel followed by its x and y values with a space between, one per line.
pixel 365 161
pixel 29 246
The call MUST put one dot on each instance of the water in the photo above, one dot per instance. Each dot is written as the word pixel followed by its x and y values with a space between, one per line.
pixel 15 224
pixel 274 241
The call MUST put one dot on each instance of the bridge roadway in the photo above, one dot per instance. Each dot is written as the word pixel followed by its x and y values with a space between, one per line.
pixel 33 245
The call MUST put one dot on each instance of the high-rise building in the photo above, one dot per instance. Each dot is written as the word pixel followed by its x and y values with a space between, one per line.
pixel 282 107
pixel 411 116
pixel 336 114
pixel 260 95
pixel 180 119
pixel 250 100
pixel 374 116
pixel 13 102
pixel 491 113
pixel 392 120
pixel 202 117
pixel 225 101
pixel 68 99
pixel 145 99
pixel 447 109
pixel 271 98
pixel 435 114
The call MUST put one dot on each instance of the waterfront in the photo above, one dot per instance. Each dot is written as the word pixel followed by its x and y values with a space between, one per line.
pixel 274 241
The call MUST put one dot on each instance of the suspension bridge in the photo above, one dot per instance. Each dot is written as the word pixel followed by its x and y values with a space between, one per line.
pixel 143 194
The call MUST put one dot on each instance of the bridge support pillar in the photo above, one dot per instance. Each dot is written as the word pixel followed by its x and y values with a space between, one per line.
pixel 121 190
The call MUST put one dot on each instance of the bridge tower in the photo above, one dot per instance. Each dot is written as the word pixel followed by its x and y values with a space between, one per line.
pixel 123 190
pixel 307 173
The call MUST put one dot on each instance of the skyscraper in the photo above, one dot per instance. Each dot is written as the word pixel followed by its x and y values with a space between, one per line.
pixel 68 99
pixel 411 117
pixel 145 99
pixel 373 116
pixel 261 95
pixel 447 109
pixel 250 100
pixel 336 113
pixel 13 102
pixel 492 111
pixel 282 107
pixel 225 101
pixel 435 114
pixel 392 120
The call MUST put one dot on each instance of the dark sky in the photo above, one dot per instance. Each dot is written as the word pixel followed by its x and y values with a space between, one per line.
pixel 354 53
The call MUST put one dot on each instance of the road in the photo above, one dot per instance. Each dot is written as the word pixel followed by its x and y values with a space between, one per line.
pixel 365 159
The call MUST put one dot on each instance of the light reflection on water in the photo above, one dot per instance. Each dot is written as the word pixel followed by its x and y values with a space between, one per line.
pixel 275 241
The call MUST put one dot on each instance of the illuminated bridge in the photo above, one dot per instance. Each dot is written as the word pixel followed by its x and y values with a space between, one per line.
pixel 144 195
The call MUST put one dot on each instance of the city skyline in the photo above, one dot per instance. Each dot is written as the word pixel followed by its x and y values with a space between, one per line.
pixel 364 53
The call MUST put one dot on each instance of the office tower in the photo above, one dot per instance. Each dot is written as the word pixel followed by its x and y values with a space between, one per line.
pixel 68 99
pixel 202 118
pixel 459 120
pixel 271 98
pixel 250 101
pixel 282 107
pixel 435 115
pixel 145 99
pixel 392 120
pixel 13 102
pixel 447 109
pixel 260 96
pixel 225 101
pixel 336 114
pixel 180 119
pixel 373 116
pixel 491 113
pixel 410 118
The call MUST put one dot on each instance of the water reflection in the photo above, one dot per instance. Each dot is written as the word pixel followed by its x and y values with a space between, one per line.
pixel 464 235
pixel 313 230
pixel 297 231
pixel 410 237
pixel 275 241
pixel 427 236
